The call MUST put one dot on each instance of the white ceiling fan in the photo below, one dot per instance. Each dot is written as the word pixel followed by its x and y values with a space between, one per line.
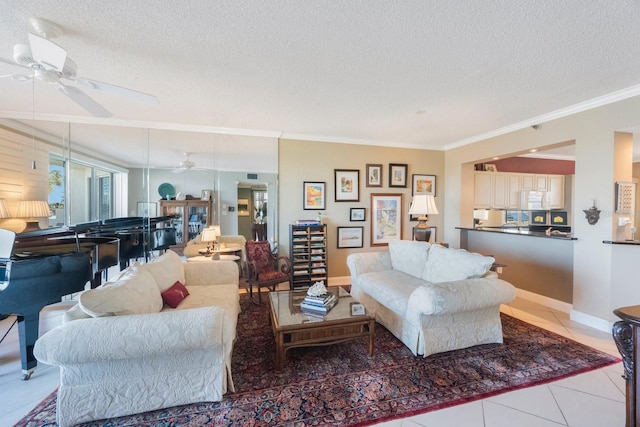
pixel 49 63
pixel 187 165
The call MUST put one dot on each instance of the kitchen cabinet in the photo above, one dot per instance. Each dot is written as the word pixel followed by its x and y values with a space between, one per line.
pixel 556 191
pixel 501 190
pixel 189 218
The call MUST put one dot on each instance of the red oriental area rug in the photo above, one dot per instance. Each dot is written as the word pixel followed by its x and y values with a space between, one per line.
pixel 341 385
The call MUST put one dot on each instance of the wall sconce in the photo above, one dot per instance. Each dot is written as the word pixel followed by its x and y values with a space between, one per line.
pixel 592 214
pixel 4 211
pixel 31 210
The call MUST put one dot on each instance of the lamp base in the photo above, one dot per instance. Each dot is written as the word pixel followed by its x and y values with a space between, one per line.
pixel 31 226
pixel 422 234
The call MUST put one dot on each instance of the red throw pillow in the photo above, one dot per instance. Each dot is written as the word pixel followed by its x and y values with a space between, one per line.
pixel 175 294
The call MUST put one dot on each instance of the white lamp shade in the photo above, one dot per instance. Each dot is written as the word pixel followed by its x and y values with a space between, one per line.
pixel 208 235
pixel 33 209
pixel 216 228
pixel 423 204
pixel 4 211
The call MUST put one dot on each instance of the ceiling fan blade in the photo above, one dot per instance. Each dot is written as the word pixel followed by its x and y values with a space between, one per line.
pixel 17 77
pixel 9 61
pixel 84 100
pixel 180 170
pixel 133 95
pixel 47 53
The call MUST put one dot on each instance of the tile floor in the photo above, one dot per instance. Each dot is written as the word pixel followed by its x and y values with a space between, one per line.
pixel 594 399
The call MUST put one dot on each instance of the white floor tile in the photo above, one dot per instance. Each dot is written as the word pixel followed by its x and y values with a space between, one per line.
pixel 538 401
pixel 586 410
pixel 501 416
pixel 467 415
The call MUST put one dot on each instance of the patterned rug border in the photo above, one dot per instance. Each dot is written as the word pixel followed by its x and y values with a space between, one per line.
pixel 366 412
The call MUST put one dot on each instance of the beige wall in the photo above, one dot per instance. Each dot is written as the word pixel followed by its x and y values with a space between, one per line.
pixel 593 131
pixel 301 161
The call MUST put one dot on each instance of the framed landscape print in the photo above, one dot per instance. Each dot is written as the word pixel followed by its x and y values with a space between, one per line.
pixel 374 175
pixel 350 237
pixel 386 218
pixel 423 184
pixel 398 175
pixel 357 214
pixel 347 185
pixel 314 195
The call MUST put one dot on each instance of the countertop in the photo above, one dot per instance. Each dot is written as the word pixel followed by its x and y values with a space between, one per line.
pixel 522 231
pixel 622 242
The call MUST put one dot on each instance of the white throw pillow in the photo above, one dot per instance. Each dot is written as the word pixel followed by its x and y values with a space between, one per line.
pixel 409 256
pixel 133 292
pixel 449 264
pixel 167 269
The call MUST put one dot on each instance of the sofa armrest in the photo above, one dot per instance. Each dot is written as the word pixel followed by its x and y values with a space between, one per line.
pixel 133 336
pixel 211 273
pixel 458 296
pixel 367 262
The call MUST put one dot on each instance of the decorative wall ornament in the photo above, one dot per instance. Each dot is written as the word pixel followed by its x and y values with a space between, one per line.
pixel 592 214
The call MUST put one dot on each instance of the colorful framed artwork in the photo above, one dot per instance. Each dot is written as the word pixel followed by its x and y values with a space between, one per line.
pixel 538 218
pixel 374 175
pixel 357 214
pixel 350 237
pixel 559 218
pixel 314 195
pixel 398 175
pixel 423 184
pixel 386 218
pixel 347 185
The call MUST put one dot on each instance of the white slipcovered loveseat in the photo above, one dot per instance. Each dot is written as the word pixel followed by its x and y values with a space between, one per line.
pixel 123 350
pixel 432 298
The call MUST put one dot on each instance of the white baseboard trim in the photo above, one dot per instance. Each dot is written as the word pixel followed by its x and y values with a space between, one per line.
pixel 577 316
pixel 339 281
pixel 562 306
pixel 591 321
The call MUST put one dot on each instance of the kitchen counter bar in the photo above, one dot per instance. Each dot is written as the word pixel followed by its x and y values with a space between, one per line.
pixel 622 242
pixel 518 231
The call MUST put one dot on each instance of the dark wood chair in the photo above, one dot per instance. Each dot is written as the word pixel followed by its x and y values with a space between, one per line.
pixel 264 269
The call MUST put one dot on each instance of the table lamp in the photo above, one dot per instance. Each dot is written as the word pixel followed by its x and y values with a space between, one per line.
pixel 31 210
pixel 422 205
pixel 209 235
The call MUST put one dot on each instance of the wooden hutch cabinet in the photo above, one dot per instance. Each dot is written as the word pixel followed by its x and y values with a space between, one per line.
pixel 189 218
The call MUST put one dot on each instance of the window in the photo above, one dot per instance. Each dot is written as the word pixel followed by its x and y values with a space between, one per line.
pixel 86 194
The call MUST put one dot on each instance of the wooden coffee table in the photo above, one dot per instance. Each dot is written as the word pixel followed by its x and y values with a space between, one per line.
pixel 293 328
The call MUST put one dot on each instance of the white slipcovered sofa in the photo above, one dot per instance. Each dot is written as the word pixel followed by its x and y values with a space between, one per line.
pixel 432 298
pixel 122 350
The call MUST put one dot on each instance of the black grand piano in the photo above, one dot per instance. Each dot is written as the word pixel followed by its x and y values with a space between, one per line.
pixel 48 264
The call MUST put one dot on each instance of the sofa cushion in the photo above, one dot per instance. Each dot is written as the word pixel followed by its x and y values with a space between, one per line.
pixel 449 264
pixel 166 269
pixel 409 256
pixel 134 291
pixel 391 288
pixel 175 294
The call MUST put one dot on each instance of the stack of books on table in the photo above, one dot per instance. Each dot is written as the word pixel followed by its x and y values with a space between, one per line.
pixel 318 305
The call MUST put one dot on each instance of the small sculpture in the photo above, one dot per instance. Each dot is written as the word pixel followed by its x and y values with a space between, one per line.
pixel 592 214
pixel 317 289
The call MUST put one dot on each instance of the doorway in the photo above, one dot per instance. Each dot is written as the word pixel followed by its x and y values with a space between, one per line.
pixel 252 210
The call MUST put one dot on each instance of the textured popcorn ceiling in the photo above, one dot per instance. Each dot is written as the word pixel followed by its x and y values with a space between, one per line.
pixel 430 74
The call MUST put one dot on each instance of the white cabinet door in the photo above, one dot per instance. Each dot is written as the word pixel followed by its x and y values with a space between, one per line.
pixel 541 183
pixel 556 191
pixel 500 186
pixel 513 190
pixel 527 181
pixel 483 190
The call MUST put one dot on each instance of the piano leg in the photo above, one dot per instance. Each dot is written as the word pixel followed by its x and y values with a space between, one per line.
pixel 28 334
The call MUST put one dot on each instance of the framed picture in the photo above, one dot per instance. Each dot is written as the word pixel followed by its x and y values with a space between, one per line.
pixel 357 214
pixel 374 175
pixel 347 185
pixel 538 218
pixel 206 194
pixel 488 167
pixel 147 209
pixel 314 195
pixel 386 218
pixel 350 237
pixel 423 184
pixel 398 175
pixel 243 207
pixel 357 309
pixel 559 218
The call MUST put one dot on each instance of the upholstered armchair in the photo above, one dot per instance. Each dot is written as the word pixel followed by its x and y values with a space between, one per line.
pixel 264 269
